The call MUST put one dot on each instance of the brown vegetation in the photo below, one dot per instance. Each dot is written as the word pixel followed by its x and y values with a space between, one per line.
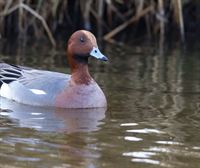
pixel 108 18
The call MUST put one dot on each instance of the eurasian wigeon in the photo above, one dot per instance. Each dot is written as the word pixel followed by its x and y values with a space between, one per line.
pixel 47 88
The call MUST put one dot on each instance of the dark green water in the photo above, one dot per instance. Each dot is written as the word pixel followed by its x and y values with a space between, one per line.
pixel 153 117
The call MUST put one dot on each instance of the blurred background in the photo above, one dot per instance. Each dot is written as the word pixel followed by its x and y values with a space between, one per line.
pixel 121 21
pixel 151 82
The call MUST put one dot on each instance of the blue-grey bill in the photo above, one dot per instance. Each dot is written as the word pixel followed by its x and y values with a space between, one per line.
pixel 97 54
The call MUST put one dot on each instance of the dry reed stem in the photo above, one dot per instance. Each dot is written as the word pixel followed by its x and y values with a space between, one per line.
pixel 7 6
pixel 162 24
pixel 119 28
pixel 140 6
pixel 114 9
pixel 86 7
pixel 43 22
pixel 97 17
pixel 22 6
pixel 20 16
pixel 181 21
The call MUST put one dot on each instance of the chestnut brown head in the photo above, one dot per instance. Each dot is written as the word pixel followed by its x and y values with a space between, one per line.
pixel 81 45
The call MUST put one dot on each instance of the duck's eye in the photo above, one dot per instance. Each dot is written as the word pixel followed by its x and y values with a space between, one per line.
pixel 82 40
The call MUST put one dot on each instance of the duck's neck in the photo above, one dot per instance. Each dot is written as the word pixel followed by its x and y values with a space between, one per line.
pixel 81 75
pixel 79 69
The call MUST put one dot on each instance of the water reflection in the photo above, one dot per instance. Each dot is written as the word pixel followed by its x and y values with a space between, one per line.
pixel 50 119
pixel 153 120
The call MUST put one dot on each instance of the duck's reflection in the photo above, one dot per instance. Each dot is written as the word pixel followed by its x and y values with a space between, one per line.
pixel 51 119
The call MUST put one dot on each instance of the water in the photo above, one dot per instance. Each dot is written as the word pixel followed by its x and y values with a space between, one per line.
pixel 152 120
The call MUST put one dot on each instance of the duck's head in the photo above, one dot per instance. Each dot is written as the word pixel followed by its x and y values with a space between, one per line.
pixel 81 45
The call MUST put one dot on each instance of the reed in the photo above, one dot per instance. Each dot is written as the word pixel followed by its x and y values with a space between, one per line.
pixel 108 18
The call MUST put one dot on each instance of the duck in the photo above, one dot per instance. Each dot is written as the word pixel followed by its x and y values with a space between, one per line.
pixel 54 89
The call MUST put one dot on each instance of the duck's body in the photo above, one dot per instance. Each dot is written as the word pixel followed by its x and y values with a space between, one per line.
pixel 46 88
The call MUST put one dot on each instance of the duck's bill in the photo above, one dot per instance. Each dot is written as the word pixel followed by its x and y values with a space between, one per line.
pixel 97 54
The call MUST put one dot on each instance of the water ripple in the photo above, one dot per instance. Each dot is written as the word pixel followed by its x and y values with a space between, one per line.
pixel 20 158
pixel 156 162
pixel 132 138
pixel 128 124
pixel 145 131
pixel 139 154
pixel 169 143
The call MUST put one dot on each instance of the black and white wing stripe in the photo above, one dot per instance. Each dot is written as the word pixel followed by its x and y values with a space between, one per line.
pixel 9 73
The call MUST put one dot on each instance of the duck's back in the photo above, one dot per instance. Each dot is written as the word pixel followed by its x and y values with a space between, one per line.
pixel 31 86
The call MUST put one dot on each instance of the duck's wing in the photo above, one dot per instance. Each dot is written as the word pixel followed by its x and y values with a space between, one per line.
pixel 9 73
pixel 32 78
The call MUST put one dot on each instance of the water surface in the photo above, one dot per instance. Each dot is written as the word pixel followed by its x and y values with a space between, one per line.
pixel 152 119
